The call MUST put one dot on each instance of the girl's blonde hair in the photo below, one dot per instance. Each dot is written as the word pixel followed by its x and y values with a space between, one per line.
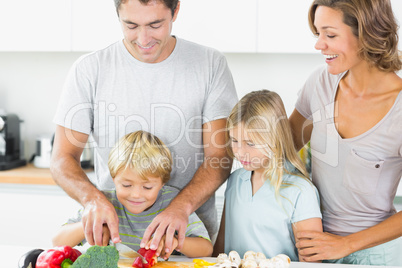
pixel 143 152
pixel 263 116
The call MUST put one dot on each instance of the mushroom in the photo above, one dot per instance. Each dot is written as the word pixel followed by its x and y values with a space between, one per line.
pixel 221 258
pixel 259 256
pixel 266 263
pixel 284 257
pixel 249 264
pixel 225 264
pixel 280 262
pixel 235 257
pixel 249 255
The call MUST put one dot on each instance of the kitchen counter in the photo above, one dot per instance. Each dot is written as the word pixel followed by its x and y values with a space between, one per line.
pixel 28 174
pixel 14 253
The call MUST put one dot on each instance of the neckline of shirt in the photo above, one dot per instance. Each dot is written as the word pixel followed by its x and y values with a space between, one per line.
pixel 163 63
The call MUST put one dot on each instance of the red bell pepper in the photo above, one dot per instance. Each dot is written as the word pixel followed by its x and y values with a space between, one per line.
pixel 150 257
pixel 138 263
pixel 58 257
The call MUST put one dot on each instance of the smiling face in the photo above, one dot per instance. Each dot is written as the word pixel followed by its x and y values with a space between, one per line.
pixel 336 40
pixel 135 193
pixel 147 30
pixel 249 154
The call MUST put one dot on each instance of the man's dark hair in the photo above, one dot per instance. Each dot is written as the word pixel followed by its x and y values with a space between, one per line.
pixel 171 4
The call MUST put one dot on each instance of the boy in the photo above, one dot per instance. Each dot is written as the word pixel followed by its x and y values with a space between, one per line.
pixel 140 165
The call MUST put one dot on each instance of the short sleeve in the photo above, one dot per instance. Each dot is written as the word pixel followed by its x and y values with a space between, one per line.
pixel 221 93
pixel 307 204
pixel 76 218
pixel 196 227
pixel 75 108
pixel 306 92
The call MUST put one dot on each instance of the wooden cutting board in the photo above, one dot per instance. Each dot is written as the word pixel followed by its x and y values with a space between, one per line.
pixel 124 263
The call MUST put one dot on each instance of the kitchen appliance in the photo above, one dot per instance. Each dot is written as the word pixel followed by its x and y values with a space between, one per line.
pixel 10 142
pixel 44 144
pixel 43 154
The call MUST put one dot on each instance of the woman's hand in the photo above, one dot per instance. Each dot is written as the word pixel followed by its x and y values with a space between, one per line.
pixel 317 246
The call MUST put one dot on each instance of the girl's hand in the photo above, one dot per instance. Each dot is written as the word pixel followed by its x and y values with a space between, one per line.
pixel 316 246
pixel 160 251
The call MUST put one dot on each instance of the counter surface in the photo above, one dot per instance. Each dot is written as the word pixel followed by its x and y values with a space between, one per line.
pixel 14 253
pixel 28 174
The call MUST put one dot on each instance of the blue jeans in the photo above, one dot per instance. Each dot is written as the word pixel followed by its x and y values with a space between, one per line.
pixel 387 254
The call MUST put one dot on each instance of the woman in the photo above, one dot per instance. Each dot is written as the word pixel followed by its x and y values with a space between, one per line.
pixel 351 110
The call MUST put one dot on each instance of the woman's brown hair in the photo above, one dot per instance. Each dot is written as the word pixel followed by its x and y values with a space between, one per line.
pixel 375 26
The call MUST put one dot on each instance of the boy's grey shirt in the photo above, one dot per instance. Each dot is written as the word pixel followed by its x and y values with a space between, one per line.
pixel 132 226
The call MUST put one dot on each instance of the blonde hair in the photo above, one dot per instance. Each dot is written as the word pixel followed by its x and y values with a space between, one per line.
pixel 374 25
pixel 143 152
pixel 263 116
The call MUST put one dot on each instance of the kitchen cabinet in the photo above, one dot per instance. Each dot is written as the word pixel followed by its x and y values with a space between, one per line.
pixel 42 25
pixel 256 26
pixel 283 27
pixel 397 8
pixel 95 25
pixel 227 25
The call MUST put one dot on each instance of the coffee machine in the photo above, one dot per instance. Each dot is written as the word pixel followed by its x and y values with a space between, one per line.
pixel 10 142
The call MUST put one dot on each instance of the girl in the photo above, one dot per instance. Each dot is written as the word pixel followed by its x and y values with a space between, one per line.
pixel 270 199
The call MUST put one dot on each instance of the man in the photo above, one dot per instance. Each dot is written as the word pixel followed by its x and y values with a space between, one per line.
pixel 175 89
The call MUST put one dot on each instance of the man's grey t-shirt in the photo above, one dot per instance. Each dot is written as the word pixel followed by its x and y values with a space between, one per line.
pixel 109 93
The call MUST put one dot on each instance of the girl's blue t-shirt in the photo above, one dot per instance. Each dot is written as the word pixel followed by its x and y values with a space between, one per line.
pixel 262 222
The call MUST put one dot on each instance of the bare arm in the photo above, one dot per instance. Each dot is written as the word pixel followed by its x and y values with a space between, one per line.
pixel 73 233
pixel 323 246
pixel 68 174
pixel 219 246
pixel 194 247
pixel 69 235
pixel 313 224
pixel 301 129
pixel 209 176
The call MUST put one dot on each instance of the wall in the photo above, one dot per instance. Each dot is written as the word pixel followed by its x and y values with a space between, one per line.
pixel 31 82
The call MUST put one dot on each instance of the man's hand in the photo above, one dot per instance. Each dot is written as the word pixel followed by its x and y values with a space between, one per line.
pixel 99 214
pixel 164 227
pixel 316 246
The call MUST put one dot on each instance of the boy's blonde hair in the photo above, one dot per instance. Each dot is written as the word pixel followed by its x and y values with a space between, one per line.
pixel 263 117
pixel 143 152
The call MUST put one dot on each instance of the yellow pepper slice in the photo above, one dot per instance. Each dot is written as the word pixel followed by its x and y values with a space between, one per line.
pixel 201 262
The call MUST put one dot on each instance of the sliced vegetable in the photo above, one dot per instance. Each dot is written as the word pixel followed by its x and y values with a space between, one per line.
pixel 138 263
pixel 202 263
pixel 149 255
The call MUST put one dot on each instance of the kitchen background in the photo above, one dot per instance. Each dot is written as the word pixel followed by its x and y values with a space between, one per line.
pixel 267 44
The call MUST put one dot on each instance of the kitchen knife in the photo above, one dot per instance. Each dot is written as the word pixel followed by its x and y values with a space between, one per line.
pixel 128 252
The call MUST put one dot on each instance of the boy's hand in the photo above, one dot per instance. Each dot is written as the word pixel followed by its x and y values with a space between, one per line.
pixel 105 235
pixel 161 251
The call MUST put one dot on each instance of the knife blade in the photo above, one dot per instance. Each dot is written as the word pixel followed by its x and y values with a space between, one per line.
pixel 128 252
